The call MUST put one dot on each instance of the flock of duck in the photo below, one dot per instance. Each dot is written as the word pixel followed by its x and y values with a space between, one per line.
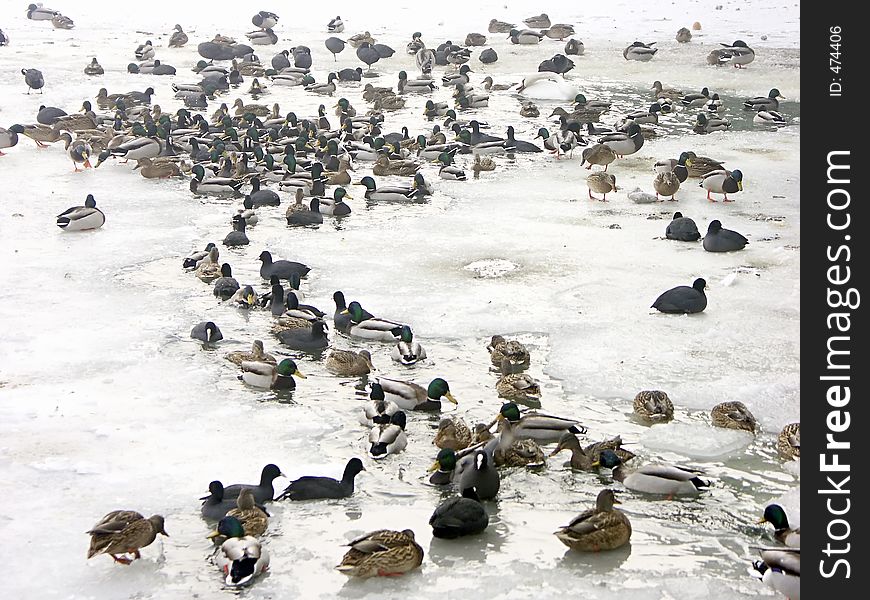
pixel 246 148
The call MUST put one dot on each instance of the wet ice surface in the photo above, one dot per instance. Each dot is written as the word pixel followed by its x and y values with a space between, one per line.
pixel 106 402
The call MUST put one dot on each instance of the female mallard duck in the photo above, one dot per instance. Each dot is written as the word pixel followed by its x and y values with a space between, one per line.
pixel 734 415
pixel 640 51
pixel 123 532
pixel 257 354
pixel 407 351
pixel 583 459
pixel 41 134
pixel 390 102
pixel 347 363
pixel 698 166
pixel 178 38
pixel 544 429
pixel 721 182
pixel 780 569
pixel 78 151
pixel 515 352
pixel 482 163
pixel 601 528
pixel 788 442
pixel 208 269
pixel 508 451
pixel 240 557
pixel 775 515
pixel 453 433
pixel 769 102
pixel 459 516
pixel 385 166
pixel 151 168
pixel 768 117
pixel 94 68
pixel 253 518
pixel 364 325
pixel 62 22
pixel 489 85
pixel 265 375
pixel 653 406
pixel 599 154
pixel 684 36
pixel 663 479
pixel 382 553
pixel 340 177
pixel 411 396
pixel 496 26
pixel 359 39
pixel 662 92
pixel 80 218
pixel 602 183
pixel 378 411
pixel 704 124
pixel 518 387
pixel 666 184
pixel 388 438
pixel 258 110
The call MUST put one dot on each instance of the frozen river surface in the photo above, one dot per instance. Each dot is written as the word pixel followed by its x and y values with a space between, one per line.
pixel 106 403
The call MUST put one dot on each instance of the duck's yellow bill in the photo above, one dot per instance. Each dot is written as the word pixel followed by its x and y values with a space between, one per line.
pixel 435 466
pixel 450 397
pixel 298 373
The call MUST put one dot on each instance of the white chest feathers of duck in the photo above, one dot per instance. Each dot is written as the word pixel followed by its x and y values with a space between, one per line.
pixel 547 86
pixel 242 560
pixel 80 218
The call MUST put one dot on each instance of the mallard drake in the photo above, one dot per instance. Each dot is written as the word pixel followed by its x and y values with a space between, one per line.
pixel 257 354
pixel 311 487
pixel 525 36
pixel 94 68
pixel 378 411
pixel 720 182
pixel 513 351
pixel 698 166
pixel 768 117
pixel 264 19
pixel 448 170
pixel 582 458
pixel 769 102
pixel 775 515
pixel 714 105
pixel 674 165
pixel 388 438
pixel 139 148
pixel 666 184
pixel 407 351
pixel 445 466
pixel 263 37
pixel 643 116
pixel 780 569
pixel 544 429
pixel 599 154
pixel 364 325
pixel 704 124
pixel 241 558
pixel 382 553
pixel 214 186
pixel 788 442
pixel 640 51
pixel 683 299
pixel 733 415
pixel 335 25
pixel 323 88
pixel 683 229
pixel 653 406
pixel 78 150
pixel 601 182
pixel 518 387
pixel 206 332
pixel 253 518
pixel 662 479
pixel 601 528
pixel 738 53
pixel 453 433
pixel 459 516
pixel 80 218
pixel 37 12
pixel 124 532
pixel 496 26
pixel 624 143
pixel 245 298
pixel 411 396
pixel 38 133
pixel 696 99
pixel 267 375
pixel 347 363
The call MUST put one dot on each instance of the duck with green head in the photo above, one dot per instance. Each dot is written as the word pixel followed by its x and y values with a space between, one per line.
pixel 411 396
pixel 544 429
pixel 241 558
pixel 407 351
pixel 661 479
pixel 775 515
pixel 364 325
pixel 265 375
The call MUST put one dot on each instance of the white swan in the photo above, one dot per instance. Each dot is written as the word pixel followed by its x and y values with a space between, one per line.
pixel 547 86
